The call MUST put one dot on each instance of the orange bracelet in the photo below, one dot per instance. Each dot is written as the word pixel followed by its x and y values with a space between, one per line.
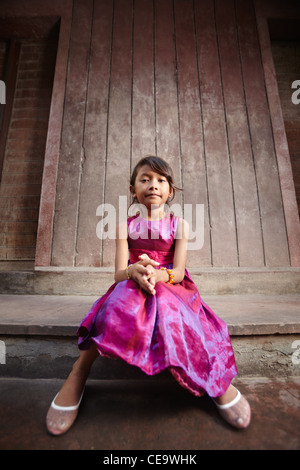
pixel 171 276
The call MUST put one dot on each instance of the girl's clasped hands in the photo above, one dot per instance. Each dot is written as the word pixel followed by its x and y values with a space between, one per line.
pixel 144 272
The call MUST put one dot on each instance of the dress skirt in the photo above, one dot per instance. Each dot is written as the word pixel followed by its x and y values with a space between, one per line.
pixel 173 329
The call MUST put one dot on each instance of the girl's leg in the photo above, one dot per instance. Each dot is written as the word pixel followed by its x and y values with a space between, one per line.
pixel 72 389
pixel 228 396
pixel 64 408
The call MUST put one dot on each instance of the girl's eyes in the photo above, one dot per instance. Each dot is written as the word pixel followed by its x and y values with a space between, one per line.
pixel 160 180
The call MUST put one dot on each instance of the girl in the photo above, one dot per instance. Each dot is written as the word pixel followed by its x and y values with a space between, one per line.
pixel 152 316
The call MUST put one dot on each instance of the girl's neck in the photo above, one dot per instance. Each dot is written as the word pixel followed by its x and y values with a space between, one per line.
pixel 156 213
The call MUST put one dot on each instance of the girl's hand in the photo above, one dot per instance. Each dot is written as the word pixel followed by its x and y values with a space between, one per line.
pixel 152 276
pixel 143 271
pixel 152 279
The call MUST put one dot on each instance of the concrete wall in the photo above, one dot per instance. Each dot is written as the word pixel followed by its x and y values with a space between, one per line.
pixel 192 81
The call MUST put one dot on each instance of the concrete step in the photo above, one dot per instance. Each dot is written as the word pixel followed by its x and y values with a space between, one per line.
pixel 37 334
pixel 16 278
pixel 156 416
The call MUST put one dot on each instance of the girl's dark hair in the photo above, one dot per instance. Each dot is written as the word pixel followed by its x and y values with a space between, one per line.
pixel 158 165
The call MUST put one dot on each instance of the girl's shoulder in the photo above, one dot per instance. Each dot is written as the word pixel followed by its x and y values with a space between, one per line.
pixel 181 227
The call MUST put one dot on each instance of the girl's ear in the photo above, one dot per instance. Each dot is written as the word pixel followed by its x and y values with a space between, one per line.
pixel 132 191
pixel 171 193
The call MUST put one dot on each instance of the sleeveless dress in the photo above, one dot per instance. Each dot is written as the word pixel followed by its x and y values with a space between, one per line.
pixel 173 329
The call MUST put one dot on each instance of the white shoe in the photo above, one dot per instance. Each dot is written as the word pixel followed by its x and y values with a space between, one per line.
pixel 60 418
pixel 237 412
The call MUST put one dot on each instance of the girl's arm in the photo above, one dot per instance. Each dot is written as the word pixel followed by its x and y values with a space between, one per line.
pixel 139 271
pixel 180 254
pixel 121 258
pixel 179 260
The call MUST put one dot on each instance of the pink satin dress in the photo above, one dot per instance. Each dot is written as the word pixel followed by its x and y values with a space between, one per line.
pixel 173 329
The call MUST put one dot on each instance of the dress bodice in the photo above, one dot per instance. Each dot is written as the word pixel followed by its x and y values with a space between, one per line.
pixel 155 237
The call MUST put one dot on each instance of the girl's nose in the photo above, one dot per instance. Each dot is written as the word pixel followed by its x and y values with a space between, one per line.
pixel 153 184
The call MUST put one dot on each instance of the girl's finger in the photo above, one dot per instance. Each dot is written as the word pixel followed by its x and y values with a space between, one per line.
pixel 144 256
pixel 143 270
pixel 146 262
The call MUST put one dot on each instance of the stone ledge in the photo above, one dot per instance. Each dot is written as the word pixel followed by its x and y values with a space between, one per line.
pixel 96 281
pixel 55 315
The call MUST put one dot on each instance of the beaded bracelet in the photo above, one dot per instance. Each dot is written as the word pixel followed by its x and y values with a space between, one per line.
pixel 127 271
pixel 171 276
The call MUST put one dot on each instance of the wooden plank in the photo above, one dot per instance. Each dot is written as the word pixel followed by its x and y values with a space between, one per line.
pixel 193 158
pixel 250 247
pixel 93 166
pixel 222 215
pixel 167 128
pixel 48 192
pixel 69 169
pixel 273 222
pixel 119 116
pixel 143 105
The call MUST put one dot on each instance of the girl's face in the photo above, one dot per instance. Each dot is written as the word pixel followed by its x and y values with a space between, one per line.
pixel 151 188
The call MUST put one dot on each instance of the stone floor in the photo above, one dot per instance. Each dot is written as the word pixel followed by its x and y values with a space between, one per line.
pixel 151 414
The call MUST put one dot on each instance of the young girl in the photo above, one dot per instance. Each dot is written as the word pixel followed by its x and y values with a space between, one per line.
pixel 152 316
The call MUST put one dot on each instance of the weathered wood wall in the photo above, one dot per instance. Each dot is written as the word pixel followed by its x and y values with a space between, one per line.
pixel 183 79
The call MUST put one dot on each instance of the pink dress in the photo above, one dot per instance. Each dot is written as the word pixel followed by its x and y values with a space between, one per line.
pixel 173 329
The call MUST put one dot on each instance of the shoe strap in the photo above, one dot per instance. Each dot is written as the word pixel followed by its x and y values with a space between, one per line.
pixel 65 408
pixel 231 403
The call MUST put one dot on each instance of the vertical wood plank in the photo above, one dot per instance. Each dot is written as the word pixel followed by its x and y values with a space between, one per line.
pixel 243 172
pixel 223 230
pixel 143 105
pixel 48 193
pixel 273 222
pixel 193 158
pixel 67 190
pixel 93 165
pixel 119 116
pixel 167 129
